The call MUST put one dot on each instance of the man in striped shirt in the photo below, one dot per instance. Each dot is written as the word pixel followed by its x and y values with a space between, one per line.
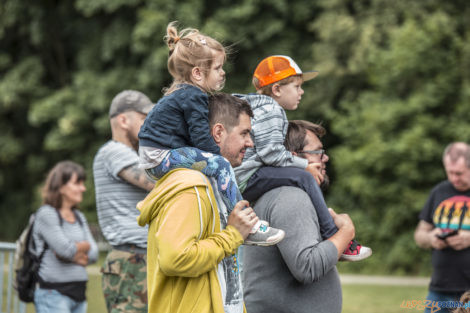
pixel 119 185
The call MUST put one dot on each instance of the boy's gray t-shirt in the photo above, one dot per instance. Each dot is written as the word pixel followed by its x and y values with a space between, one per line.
pixel 116 199
pixel 298 274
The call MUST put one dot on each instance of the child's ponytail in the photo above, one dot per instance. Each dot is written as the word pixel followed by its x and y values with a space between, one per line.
pixel 171 37
pixel 188 49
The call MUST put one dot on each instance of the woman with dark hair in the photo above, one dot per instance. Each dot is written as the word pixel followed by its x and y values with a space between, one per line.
pixel 61 232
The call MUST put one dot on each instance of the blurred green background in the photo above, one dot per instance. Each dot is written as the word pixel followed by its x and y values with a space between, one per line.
pixel 393 91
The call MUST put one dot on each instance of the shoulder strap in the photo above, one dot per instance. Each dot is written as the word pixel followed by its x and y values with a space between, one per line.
pixel 43 251
pixel 77 217
pixel 31 239
pixel 61 220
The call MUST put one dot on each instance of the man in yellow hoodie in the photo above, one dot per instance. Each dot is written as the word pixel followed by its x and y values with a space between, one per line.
pixel 192 263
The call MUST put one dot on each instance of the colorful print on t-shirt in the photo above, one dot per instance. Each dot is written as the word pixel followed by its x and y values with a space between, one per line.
pixel 453 212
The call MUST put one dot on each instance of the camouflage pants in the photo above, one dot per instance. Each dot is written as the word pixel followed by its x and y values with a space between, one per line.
pixel 124 282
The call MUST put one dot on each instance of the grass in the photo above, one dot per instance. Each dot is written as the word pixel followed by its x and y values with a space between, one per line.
pixel 383 299
pixel 356 298
pixel 94 295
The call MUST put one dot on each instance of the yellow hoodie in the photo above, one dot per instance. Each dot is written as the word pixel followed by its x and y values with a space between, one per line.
pixel 185 244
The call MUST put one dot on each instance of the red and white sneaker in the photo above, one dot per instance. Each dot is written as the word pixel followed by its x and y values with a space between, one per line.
pixel 355 252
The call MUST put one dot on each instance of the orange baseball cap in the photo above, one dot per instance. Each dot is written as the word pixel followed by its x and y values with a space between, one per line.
pixel 277 67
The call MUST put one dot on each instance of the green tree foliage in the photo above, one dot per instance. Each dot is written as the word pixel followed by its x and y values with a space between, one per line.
pixel 400 82
pixel 393 90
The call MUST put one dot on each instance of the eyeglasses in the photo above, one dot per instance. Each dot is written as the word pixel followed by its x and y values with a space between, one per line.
pixel 321 152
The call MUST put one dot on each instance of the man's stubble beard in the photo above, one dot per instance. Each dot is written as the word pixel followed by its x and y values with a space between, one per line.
pixel 325 184
pixel 133 140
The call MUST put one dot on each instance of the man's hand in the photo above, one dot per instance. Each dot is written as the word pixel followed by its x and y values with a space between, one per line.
pixel 243 218
pixel 343 221
pixel 345 233
pixel 315 170
pixel 435 242
pixel 460 241
pixel 426 236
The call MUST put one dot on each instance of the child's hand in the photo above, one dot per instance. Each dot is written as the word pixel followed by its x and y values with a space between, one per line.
pixel 315 170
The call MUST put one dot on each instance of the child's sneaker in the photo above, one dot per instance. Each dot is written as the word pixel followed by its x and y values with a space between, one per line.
pixel 265 236
pixel 263 222
pixel 355 252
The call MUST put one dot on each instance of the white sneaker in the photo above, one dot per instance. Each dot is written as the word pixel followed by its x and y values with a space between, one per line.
pixel 265 236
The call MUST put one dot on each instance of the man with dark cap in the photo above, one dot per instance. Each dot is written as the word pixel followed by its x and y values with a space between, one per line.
pixel 119 185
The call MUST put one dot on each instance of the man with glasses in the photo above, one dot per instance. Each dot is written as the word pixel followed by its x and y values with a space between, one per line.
pixel 299 274
pixel 300 164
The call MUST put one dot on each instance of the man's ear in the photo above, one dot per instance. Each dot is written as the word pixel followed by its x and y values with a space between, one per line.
pixel 123 121
pixel 218 132
pixel 196 74
pixel 294 153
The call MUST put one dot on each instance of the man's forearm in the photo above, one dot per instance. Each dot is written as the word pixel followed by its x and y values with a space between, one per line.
pixel 342 238
pixel 183 249
pixel 424 234
pixel 137 177
pixel 345 233
pixel 422 239
pixel 197 257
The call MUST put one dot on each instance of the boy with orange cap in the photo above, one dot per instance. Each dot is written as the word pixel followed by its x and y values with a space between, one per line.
pixel 268 165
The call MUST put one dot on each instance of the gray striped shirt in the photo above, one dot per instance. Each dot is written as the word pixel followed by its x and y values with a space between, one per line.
pixel 116 199
pixel 61 241
pixel 268 130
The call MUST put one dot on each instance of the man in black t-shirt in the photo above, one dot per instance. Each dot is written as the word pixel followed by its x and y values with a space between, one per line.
pixel 445 227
